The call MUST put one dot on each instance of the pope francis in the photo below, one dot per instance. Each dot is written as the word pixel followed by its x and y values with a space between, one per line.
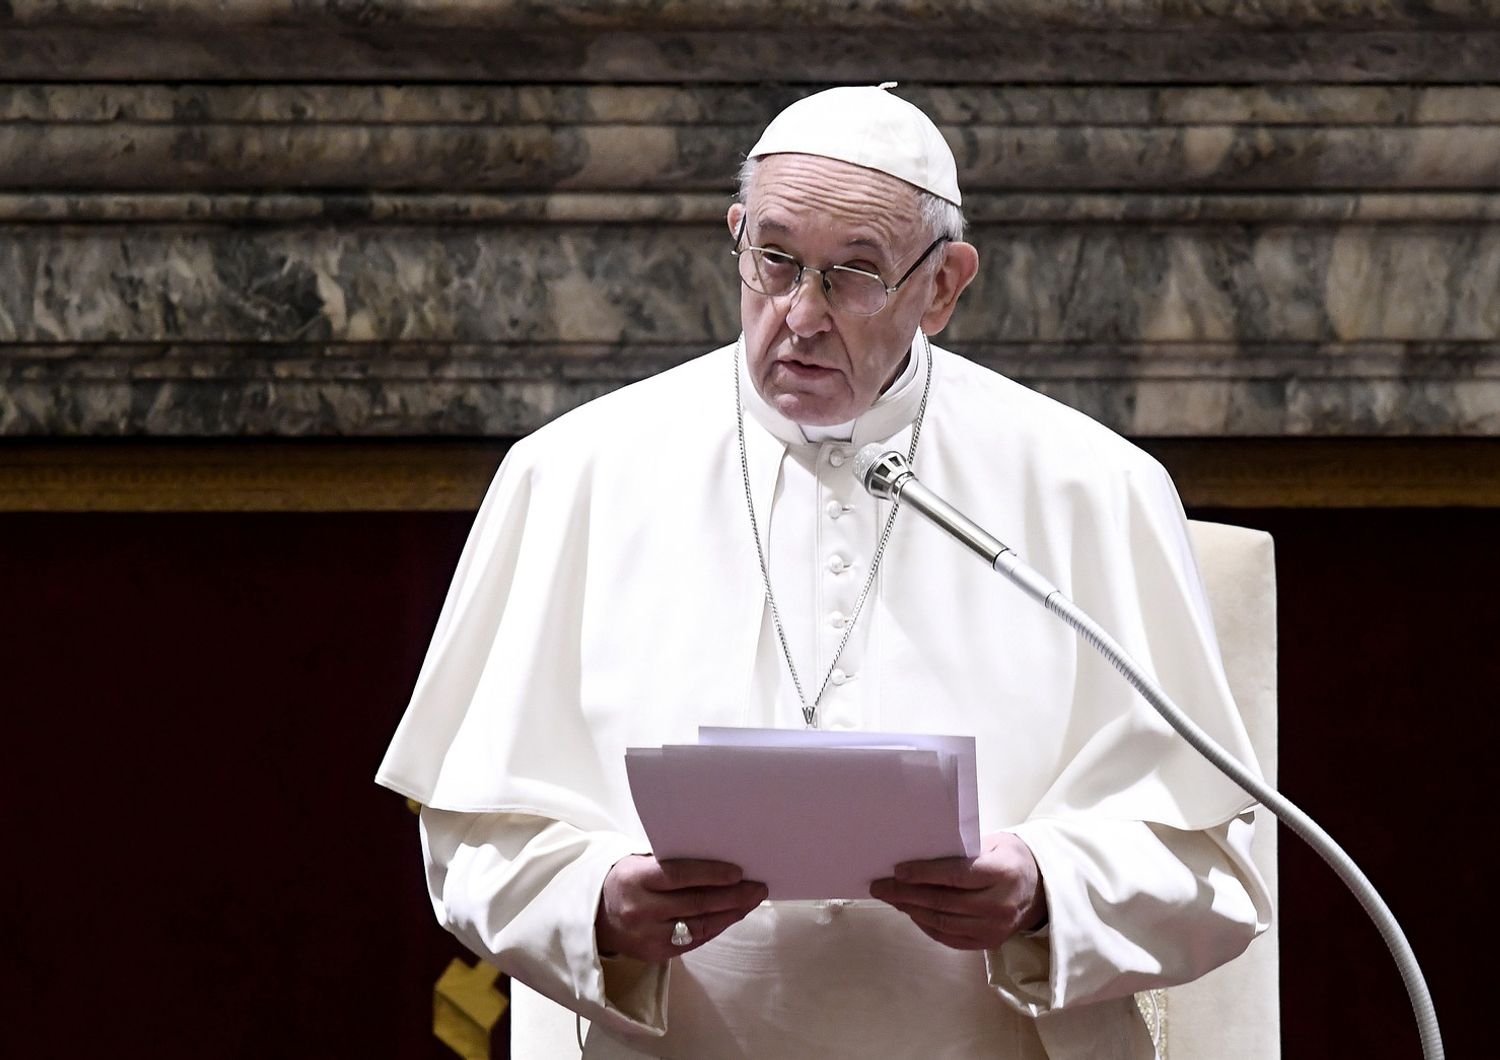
pixel 692 550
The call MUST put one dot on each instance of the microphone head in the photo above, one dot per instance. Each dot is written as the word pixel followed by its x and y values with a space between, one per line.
pixel 879 470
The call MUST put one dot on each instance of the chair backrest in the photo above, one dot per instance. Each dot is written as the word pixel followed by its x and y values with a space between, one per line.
pixel 1234 1012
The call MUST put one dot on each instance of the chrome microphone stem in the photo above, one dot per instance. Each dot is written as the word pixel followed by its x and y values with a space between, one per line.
pixel 907 490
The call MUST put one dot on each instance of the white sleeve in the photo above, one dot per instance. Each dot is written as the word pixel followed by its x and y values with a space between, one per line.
pixel 522 892
pixel 1131 906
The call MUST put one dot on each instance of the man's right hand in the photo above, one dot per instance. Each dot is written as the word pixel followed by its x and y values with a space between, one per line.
pixel 643 898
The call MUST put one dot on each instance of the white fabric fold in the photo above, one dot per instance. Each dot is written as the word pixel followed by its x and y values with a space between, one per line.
pixel 606 537
pixel 550 875
pixel 610 596
pixel 1131 907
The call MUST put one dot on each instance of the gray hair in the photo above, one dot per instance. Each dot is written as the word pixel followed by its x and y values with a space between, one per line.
pixel 941 218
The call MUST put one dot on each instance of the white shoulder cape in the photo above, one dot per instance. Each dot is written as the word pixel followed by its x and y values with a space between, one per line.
pixel 609 596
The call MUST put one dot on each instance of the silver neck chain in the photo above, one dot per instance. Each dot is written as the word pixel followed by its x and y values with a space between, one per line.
pixel 810 709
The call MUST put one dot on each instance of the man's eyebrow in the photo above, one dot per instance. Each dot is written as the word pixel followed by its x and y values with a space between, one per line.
pixel 768 225
pixel 772 226
pixel 866 241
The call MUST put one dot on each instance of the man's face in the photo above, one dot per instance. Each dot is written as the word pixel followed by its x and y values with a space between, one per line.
pixel 816 364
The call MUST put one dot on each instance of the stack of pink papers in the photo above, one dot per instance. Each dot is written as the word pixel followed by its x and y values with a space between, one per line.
pixel 811 814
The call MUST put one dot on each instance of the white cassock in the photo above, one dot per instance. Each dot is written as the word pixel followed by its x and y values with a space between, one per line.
pixel 610 596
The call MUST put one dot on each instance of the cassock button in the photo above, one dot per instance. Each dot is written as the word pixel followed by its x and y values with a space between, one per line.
pixel 837 564
pixel 837 620
pixel 834 509
pixel 836 458
pixel 838 677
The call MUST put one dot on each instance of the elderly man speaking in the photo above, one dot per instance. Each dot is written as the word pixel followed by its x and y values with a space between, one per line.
pixel 692 550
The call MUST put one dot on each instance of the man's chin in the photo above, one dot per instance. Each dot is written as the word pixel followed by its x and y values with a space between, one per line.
pixel 808 412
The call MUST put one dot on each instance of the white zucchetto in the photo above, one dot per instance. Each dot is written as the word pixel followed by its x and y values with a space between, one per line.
pixel 869 127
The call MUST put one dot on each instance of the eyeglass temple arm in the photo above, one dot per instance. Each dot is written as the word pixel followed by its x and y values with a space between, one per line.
pixel 914 265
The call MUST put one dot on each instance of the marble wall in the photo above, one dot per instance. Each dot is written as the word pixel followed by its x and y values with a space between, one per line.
pixel 449 218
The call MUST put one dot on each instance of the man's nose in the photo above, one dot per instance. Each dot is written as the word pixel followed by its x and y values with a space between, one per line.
pixel 809 312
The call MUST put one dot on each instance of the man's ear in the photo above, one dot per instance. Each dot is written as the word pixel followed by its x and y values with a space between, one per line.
pixel 960 266
pixel 736 212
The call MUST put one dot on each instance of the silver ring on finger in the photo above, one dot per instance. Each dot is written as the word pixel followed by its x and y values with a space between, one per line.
pixel 681 936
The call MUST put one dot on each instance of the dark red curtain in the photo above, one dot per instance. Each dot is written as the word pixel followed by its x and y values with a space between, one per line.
pixel 200 864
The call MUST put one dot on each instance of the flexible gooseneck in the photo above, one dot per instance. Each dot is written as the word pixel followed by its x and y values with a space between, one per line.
pixel 887 475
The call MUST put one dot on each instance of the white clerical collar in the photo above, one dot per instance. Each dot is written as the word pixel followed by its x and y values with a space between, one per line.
pixel 892 411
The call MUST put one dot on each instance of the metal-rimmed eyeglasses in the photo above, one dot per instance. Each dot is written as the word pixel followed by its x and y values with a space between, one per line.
pixel 775 273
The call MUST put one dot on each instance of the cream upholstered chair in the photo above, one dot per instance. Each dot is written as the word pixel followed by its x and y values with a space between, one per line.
pixel 1233 1013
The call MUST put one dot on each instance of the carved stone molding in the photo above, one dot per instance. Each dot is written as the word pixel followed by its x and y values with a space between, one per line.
pixel 450 218
pixel 564 138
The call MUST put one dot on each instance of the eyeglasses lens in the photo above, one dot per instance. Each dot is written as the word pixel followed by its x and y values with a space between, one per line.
pixel 769 274
pixel 774 275
pixel 856 293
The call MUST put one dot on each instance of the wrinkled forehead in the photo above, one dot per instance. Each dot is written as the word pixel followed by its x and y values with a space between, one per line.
pixel 797 192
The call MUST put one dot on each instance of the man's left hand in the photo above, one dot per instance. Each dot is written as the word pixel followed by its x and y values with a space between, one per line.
pixel 970 903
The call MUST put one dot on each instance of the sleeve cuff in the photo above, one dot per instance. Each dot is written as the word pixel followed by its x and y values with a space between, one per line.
pixel 1020 971
pixel 1021 968
pixel 633 992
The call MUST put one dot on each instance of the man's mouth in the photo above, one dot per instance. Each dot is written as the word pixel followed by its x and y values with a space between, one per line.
pixel 805 369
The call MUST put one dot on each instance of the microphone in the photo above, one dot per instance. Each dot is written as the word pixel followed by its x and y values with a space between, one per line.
pixel 888 476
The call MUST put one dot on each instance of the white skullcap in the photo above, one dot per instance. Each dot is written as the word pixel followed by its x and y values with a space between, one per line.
pixel 867 127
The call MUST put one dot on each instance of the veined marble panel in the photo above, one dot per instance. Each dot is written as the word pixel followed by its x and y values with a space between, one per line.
pixel 1198 329
pixel 760 14
pixel 618 286
pixel 607 284
pixel 507 390
pixel 707 208
pixel 809 54
pixel 453 138
pixel 456 217
pixel 535 104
